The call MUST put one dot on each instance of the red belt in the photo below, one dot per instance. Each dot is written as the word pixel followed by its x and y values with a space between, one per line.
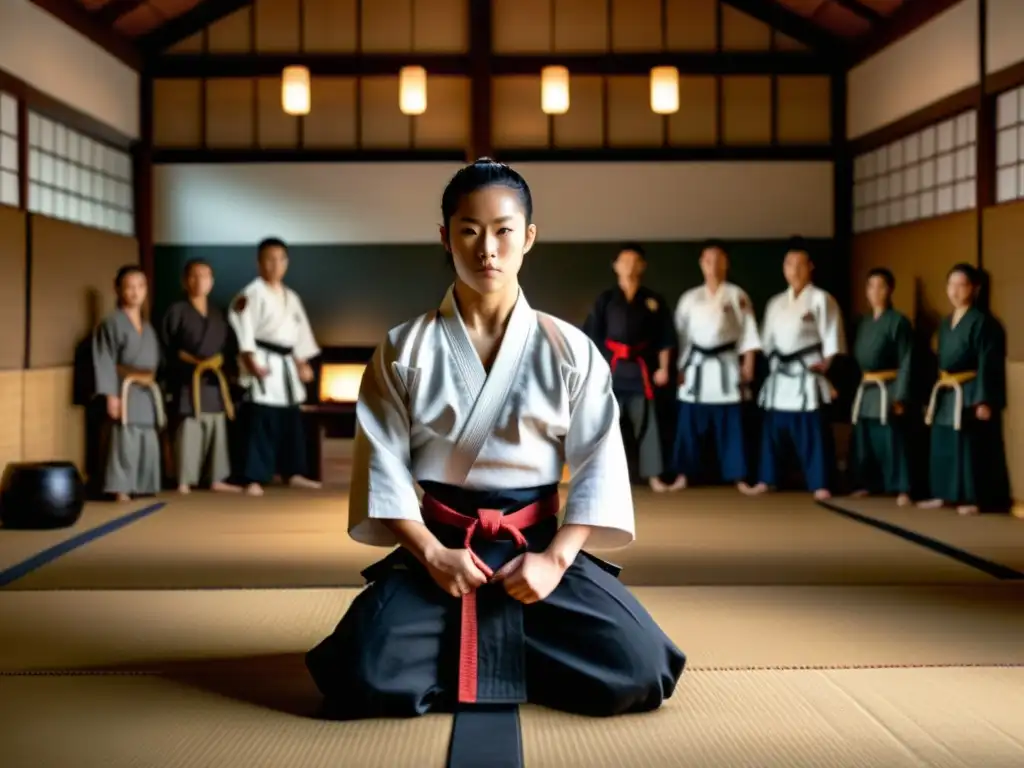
pixel 489 523
pixel 622 351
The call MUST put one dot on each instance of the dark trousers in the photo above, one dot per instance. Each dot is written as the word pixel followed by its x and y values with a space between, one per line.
pixel 722 425
pixel 275 443
pixel 969 466
pixel 641 435
pixel 805 432
pixel 878 457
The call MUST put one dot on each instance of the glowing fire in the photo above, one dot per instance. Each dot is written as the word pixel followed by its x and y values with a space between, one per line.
pixel 339 382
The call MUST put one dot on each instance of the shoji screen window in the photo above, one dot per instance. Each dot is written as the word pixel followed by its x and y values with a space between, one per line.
pixel 76 178
pixel 1010 146
pixel 9 191
pixel 929 173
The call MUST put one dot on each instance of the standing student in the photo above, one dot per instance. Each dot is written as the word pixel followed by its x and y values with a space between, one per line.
pixel 632 325
pixel 883 348
pixel 275 343
pixel 718 342
pixel 488 602
pixel 126 358
pixel 801 333
pixel 196 335
pixel 968 460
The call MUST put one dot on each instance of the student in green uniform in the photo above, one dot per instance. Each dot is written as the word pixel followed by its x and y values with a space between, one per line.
pixel 884 350
pixel 967 466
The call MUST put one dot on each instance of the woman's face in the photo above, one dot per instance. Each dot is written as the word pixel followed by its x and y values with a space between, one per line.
pixel 878 292
pixel 488 237
pixel 959 290
pixel 133 289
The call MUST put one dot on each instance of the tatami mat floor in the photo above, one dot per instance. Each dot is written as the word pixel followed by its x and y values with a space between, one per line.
pixel 718 627
pixel 291 539
pixel 999 538
pixel 814 640
pixel 890 718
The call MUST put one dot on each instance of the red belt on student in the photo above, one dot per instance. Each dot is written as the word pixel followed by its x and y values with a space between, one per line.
pixel 489 524
pixel 622 351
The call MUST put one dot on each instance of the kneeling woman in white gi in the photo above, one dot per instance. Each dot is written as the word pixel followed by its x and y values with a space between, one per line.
pixel 487 601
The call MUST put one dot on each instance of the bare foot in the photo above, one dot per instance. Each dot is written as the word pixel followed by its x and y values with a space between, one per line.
pixel 122 497
pixel 254 489
pixel 184 489
pixel 752 490
pixel 225 488
pixel 678 484
pixel 967 509
pixel 903 500
pixel 298 481
pixel 822 494
pixel 858 494
pixel 657 485
pixel 930 504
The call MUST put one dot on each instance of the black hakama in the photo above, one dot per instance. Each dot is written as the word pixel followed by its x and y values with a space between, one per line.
pixel 404 647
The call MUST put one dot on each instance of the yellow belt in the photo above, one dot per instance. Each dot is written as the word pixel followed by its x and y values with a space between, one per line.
pixel 954 381
pixel 877 379
pixel 208 365
pixel 138 377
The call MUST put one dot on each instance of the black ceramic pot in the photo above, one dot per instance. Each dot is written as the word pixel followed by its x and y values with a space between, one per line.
pixel 41 495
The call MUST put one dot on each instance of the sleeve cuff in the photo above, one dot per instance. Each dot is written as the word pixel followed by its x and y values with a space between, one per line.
pixel 605 533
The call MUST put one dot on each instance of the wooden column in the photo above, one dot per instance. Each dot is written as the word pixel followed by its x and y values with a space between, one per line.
pixel 480 50
pixel 985 157
pixel 142 157
pixel 23 188
pixel 842 177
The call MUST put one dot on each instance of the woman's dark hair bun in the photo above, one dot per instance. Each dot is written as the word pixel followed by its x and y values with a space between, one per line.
pixel 484 172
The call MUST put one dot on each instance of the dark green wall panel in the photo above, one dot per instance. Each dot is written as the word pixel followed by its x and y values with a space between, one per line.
pixel 353 294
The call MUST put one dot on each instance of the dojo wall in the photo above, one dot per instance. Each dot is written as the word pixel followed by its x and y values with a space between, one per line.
pixel 12 340
pixel 937 60
pixel 920 252
pixel 1005 30
pixel 1003 228
pixel 366 254
pixel 42 51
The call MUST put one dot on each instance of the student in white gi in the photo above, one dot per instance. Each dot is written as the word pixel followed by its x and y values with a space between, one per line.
pixel 275 343
pixel 718 342
pixel 801 333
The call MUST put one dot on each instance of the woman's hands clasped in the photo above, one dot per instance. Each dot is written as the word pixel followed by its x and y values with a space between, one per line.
pixel 528 578
pixel 455 571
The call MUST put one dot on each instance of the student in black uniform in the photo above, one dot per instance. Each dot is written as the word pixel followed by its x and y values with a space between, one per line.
pixel 633 326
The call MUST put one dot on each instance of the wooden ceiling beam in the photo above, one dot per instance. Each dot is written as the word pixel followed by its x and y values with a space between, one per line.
pixel 858 8
pixel 108 14
pixel 189 23
pixel 354 65
pixel 788 23
pixel 80 20
pixel 909 17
